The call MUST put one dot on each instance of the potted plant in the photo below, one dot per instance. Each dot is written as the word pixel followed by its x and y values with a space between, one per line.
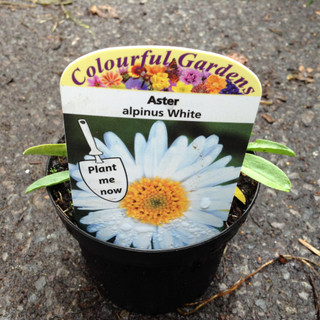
pixel 149 282
pixel 151 198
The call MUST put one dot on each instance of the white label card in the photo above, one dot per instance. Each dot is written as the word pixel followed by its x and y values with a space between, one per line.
pixel 156 138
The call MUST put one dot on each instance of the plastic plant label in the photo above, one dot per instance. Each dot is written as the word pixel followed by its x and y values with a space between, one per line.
pixel 156 137
pixel 98 173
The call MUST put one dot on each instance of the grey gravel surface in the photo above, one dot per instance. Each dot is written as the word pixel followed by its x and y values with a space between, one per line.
pixel 43 275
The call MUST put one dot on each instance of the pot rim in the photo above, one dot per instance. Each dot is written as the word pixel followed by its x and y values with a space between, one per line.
pixel 221 235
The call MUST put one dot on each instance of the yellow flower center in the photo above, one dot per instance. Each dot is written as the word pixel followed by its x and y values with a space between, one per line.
pixel 155 201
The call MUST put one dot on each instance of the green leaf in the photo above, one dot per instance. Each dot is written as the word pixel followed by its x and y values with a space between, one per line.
pixel 262 145
pixel 58 149
pixel 49 180
pixel 265 172
pixel 239 194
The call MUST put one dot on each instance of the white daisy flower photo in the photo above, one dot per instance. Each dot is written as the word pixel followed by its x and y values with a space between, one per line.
pixel 177 196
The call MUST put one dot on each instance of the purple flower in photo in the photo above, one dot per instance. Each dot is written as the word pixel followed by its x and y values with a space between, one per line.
pixel 190 76
pixel 205 74
pixel 230 89
pixel 136 84
pixel 123 70
pixel 171 85
pixel 95 82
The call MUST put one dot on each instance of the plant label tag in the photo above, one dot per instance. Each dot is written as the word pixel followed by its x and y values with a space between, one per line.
pixel 156 138
pixel 106 178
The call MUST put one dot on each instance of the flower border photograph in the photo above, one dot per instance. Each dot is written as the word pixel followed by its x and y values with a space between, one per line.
pixel 170 78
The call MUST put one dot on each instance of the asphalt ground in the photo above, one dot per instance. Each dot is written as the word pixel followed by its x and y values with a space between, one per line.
pixel 43 275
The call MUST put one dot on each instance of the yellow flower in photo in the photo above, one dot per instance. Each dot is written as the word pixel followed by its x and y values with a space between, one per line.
pixel 160 81
pixel 152 70
pixel 182 87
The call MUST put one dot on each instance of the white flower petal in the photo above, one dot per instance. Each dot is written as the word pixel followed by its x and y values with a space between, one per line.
pixel 211 178
pixel 208 204
pixel 103 148
pixel 93 203
pixel 193 151
pixel 178 241
pixel 211 142
pixel 106 233
pixel 102 216
pixel 157 145
pixel 142 240
pixel 214 205
pixel 150 160
pixel 73 167
pixel 124 239
pixel 139 149
pixel 222 214
pixel 172 158
pixel 204 218
pixel 82 185
pixel 143 227
pixel 163 239
pixel 74 172
pixel 221 162
pixel 222 193
pixel 118 148
pixel 95 227
pixel 192 169
pixel 158 132
pixel 133 172
pixel 81 194
pixel 87 157
pixel 191 232
pixel 215 151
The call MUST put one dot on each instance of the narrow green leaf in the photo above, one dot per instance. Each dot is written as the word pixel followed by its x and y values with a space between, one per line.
pixel 262 145
pixel 265 172
pixel 58 149
pixel 239 194
pixel 49 180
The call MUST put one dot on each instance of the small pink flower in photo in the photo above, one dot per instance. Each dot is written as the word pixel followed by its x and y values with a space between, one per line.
pixel 95 82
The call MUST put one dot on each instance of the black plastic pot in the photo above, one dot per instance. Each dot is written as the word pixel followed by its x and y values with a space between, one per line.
pixel 153 281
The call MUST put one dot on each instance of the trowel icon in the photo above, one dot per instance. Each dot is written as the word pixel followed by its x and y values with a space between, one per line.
pixel 107 178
